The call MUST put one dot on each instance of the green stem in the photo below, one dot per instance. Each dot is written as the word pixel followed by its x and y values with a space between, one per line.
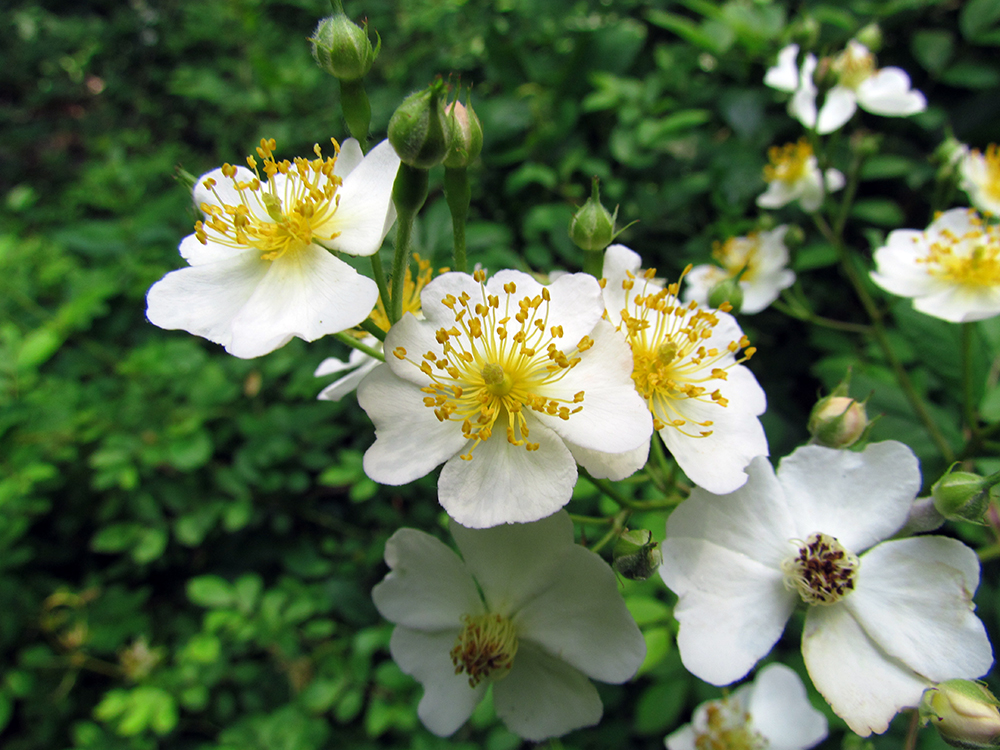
pixel 809 317
pixel 989 553
pixel 853 178
pixel 378 272
pixel 911 732
pixel 409 192
pixel 878 333
pixel 968 407
pixel 591 520
pixel 617 527
pixel 458 194
pixel 369 325
pixel 357 110
pixel 612 492
pixel 346 338
pixel 593 263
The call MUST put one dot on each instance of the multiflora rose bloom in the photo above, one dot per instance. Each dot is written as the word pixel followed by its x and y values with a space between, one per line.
pixel 951 270
pixel 526 610
pixel 771 713
pixel 885 620
pixel 359 363
pixel 759 259
pixel 703 401
pixel 260 268
pixel 884 91
pixel 508 383
pixel 981 178
pixel 794 175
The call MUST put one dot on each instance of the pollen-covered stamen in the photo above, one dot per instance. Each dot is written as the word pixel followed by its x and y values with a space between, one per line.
pixel 496 361
pixel 671 361
pixel 728 727
pixel 971 258
pixel 283 213
pixel 822 570
pixel 485 648
pixel 789 163
pixel 853 66
pixel 739 254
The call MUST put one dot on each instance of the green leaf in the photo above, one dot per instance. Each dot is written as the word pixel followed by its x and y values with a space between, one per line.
pixel 150 545
pixel 971 75
pixel 210 591
pixel 933 49
pixel 978 17
pixel 659 642
pixel 879 211
pixel 646 610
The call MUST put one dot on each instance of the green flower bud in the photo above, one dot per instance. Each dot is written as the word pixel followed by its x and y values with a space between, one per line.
pixel 419 130
pixel 342 48
pixel 871 37
pixel 465 135
pixel 962 496
pixel 838 421
pixel 592 227
pixel 727 290
pixel 965 712
pixel 635 555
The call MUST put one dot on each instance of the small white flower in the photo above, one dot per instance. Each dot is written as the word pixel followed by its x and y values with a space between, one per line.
pixel 761 257
pixel 794 175
pixel 527 611
pixel 704 403
pixel 260 271
pixel 508 383
pixel 771 713
pixel 951 270
pixel 884 91
pixel 881 626
pixel 981 178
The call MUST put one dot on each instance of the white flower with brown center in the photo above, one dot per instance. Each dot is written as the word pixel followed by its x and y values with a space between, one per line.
pixel 981 178
pixel 260 268
pixel 524 610
pixel 687 367
pixel 951 270
pixel 885 620
pixel 760 260
pixel 794 175
pixel 508 383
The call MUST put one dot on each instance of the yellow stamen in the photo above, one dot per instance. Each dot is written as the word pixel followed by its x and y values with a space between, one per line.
pixel 789 163
pixel 971 258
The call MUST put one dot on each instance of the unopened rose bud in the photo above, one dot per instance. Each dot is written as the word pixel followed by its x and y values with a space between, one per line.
pixel 342 48
pixel 635 555
pixel 838 421
pixel 418 129
pixel 465 133
pixel 727 290
pixel 593 227
pixel 962 496
pixel 965 713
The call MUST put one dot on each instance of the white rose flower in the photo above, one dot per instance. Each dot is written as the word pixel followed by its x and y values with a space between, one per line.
pixel 884 620
pixel 951 270
pixel 260 268
pixel 981 178
pixel 704 403
pixel 508 383
pixel 794 175
pixel 771 713
pixel 527 611
pixel 761 257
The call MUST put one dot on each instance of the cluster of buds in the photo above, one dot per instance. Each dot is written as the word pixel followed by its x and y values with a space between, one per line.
pixel 425 130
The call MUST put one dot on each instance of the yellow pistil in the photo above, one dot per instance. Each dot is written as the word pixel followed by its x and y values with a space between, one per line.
pixel 971 258
pixel 496 360
pixel 789 163
pixel 822 570
pixel 739 254
pixel 670 360
pixel 485 648
pixel 297 213
pixel 853 66
pixel 728 727
pixel 991 184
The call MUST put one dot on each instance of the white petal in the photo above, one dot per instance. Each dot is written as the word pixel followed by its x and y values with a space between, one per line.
pixel 699 282
pixel 349 158
pixel 778 194
pixel 544 697
pixel 785 75
pixel 223 193
pixel 308 294
pixel 914 599
pixel 428 587
pixel 581 619
pixel 811 190
pixel 887 92
pixel 409 439
pixel 365 199
pixel 452 283
pixel 576 304
pixel 859 498
pixel 448 701
pixel 839 106
pixel 505 483
pixel 731 609
pixel 416 338
pixel 834 180
pixel 780 710
pixel 613 466
pixel 197 254
pixel 763 290
pixel 803 103
pixel 959 304
pixel 863 686
pixel 349 383
pixel 682 739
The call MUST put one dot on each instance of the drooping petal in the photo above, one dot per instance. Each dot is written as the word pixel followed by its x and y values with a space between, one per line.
pixel 613 466
pixel 784 76
pixel 448 700
pixel 863 685
pixel 913 597
pixel 839 106
pixel 409 439
pixel 832 491
pixel 505 483
pixel 887 92
pixel 428 588
pixel 780 710
pixel 544 696
pixel 582 619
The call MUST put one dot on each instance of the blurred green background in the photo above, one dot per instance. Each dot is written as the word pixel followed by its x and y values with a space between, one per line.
pixel 187 540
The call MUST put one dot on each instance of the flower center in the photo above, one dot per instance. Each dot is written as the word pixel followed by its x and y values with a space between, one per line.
pixel 283 214
pixel 495 363
pixel 972 258
pixel 789 163
pixel 854 65
pixel 737 254
pixel 485 648
pixel 728 727
pixel 822 571
pixel 670 360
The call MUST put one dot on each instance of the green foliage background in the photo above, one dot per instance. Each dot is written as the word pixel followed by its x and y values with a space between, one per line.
pixel 187 540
